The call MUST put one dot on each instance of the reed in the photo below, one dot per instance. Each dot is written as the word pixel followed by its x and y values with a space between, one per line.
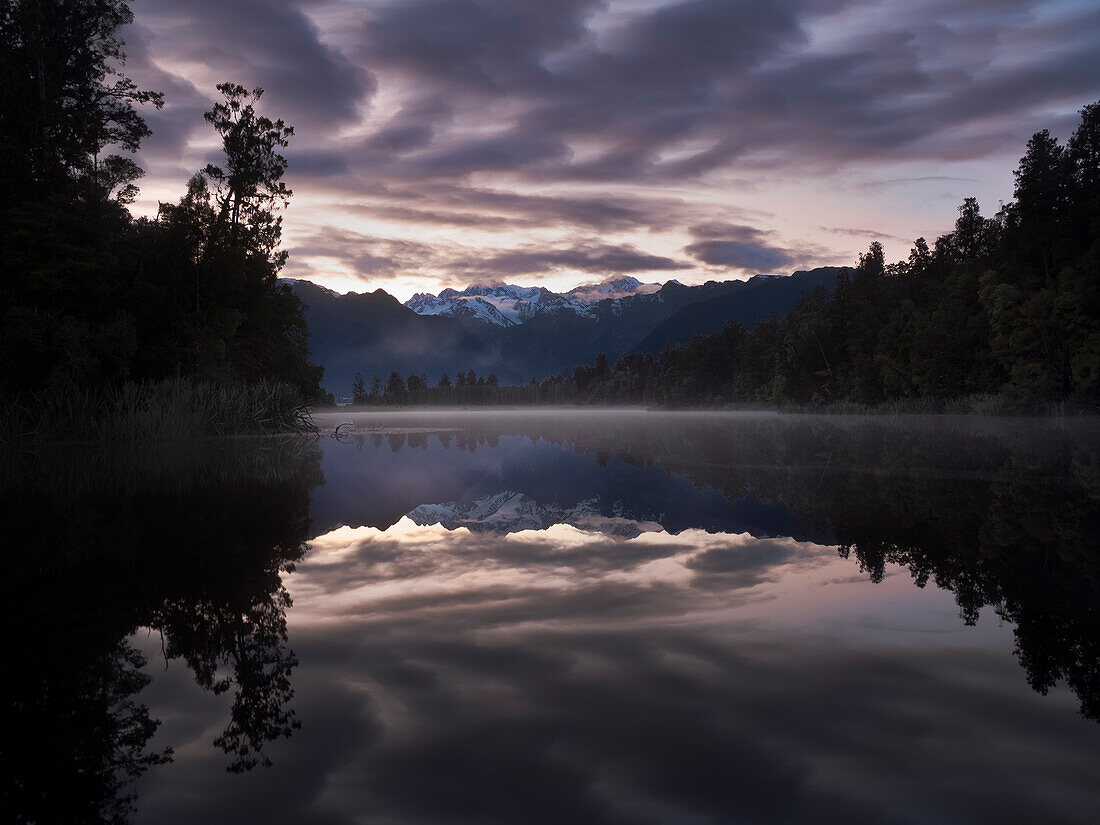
pixel 169 410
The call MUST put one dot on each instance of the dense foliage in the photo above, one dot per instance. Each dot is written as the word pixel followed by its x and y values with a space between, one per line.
pixel 1001 313
pixel 91 296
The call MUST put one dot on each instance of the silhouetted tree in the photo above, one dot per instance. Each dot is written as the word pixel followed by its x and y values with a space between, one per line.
pixel 1041 180
pixel 395 389
pixel 91 295
pixel 64 101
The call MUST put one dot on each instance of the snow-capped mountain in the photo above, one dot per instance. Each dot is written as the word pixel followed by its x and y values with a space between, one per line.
pixel 611 288
pixel 511 512
pixel 473 306
pixel 507 305
pixel 502 304
pixel 374 334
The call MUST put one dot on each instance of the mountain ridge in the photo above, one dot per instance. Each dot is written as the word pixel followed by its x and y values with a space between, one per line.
pixel 505 305
pixel 747 307
pixel 523 332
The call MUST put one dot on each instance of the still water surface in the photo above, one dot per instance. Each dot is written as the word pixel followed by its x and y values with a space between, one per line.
pixel 560 617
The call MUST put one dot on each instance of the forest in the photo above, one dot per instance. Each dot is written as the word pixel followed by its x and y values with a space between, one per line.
pixel 1000 315
pixel 113 324
pixel 104 315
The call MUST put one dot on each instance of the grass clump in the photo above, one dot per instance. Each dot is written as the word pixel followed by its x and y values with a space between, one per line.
pixel 168 410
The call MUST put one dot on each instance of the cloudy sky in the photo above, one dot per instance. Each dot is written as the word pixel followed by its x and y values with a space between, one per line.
pixel 445 142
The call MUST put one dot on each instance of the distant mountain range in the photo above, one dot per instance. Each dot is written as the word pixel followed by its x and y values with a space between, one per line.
pixel 518 332
pixel 505 305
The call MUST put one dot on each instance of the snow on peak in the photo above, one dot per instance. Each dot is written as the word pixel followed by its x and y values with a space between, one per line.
pixel 501 304
pixel 471 307
pixel 611 288
pixel 508 304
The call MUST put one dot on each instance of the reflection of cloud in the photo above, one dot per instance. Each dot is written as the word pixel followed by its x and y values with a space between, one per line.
pixel 566 676
pixel 436 567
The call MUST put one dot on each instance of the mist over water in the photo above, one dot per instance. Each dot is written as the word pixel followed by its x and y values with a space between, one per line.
pixel 620 617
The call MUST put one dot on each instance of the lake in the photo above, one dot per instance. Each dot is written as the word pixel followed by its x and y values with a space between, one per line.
pixel 551 617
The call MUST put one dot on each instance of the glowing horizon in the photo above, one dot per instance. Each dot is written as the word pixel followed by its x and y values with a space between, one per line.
pixel 440 144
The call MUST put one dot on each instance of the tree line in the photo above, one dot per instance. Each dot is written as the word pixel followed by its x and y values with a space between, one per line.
pixel 1003 312
pixel 467 388
pixel 91 296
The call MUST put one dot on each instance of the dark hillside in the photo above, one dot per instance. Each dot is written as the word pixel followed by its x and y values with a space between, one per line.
pixel 553 344
pixel 373 334
pixel 761 298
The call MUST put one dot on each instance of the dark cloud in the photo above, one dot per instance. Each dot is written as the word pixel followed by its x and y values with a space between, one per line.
pixel 409 215
pixel 369 256
pixel 737 246
pixel 606 212
pixel 375 256
pixel 316 163
pixel 746 81
pixel 870 234
pixel 878 184
pixel 514 150
pixel 412 128
pixel 739 255
pixel 720 230
pixel 586 257
pixel 183 103
pixel 449 202
pixel 507 114
pixel 488 46
pixel 268 43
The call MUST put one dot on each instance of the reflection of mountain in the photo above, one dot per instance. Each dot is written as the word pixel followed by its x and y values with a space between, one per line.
pixel 555 485
pixel 1002 514
pixel 512 512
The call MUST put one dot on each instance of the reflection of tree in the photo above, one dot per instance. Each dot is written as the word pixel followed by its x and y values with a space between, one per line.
pixel 192 545
pixel 74 731
pixel 240 648
pixel 999 523
pixel 1002 515
pixel 1004 525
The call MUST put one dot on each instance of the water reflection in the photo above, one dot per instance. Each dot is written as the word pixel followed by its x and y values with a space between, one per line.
pixel 189 544
pixel 524 618
pixel 1002 514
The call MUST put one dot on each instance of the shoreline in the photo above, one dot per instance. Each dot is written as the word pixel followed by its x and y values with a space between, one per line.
pixel 326 421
